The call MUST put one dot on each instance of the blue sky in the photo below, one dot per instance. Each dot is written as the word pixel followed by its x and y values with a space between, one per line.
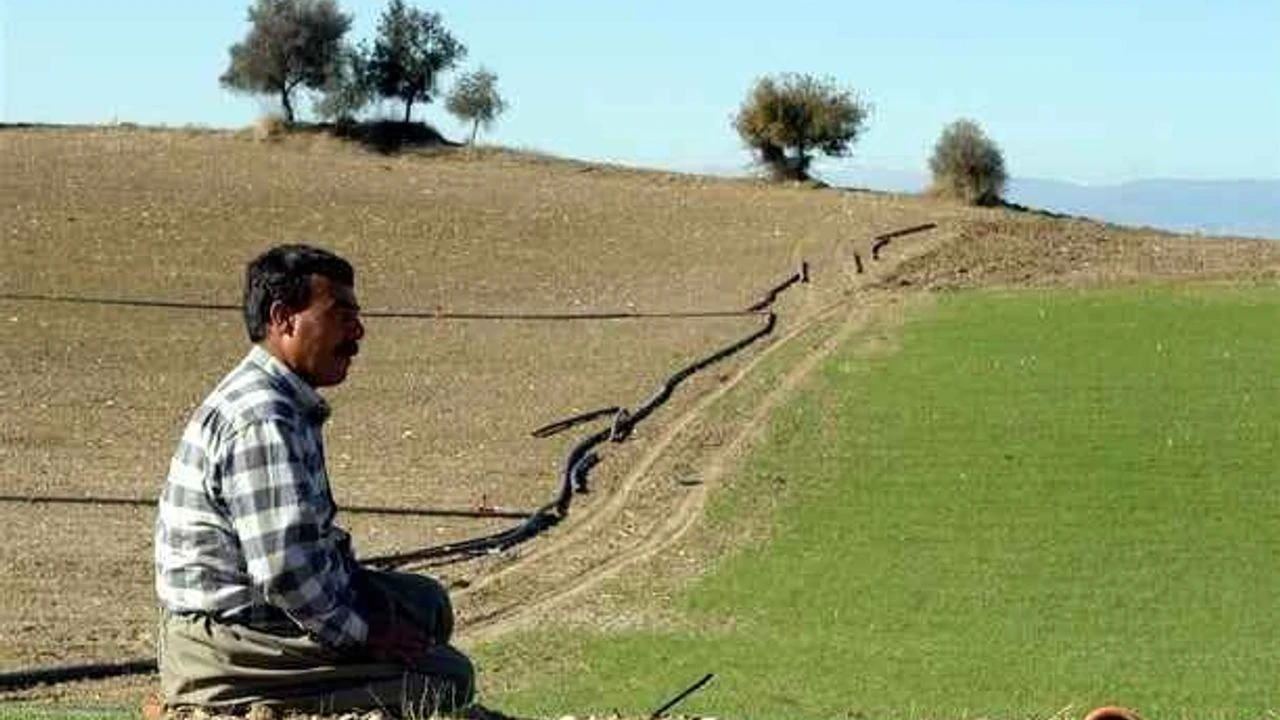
pixel 1088 91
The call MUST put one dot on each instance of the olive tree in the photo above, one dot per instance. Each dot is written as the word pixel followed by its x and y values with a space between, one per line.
pixel 348 89
pixel 411 51
pixel 291 43
pixel 785 119
pixel 475 98
pixel 967 165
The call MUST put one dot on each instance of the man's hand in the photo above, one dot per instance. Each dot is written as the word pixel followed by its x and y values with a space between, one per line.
pixel 401 643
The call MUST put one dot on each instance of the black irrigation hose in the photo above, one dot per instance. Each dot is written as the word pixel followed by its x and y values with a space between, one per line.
pixel 683 694
pixel 603 315
pixel 438 314
pixel 352 509
pixel 669 386
pixel 884 238
pixel 127 302
pixel 71 673
pixel 574 478
pixel 581 458
pixel 801 276
pixel 561 425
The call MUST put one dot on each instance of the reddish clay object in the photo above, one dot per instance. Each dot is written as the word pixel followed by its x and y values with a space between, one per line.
pixel 1112 713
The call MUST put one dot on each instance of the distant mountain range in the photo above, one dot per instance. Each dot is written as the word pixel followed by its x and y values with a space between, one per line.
pixel 1213 207
pixel 1246 208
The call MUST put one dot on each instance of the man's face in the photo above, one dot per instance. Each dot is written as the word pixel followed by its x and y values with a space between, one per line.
pixel 323 337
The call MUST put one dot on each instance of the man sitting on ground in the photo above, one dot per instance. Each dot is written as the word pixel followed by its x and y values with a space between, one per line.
pixel 262 599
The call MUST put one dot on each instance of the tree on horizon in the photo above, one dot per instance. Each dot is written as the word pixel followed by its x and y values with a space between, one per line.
pixel 412 49
pixel 291 43
pixel 348 90
pixel 967 165
pixel 475 98
pixel 787 118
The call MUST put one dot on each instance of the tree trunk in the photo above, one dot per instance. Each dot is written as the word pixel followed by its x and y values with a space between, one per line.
pixel 408 108
pixel 800 171
pixel 285 91
pixel 475 126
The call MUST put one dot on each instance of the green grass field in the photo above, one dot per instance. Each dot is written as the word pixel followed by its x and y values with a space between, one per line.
pixel 1040 500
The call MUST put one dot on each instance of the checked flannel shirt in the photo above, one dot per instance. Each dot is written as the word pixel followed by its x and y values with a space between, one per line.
pixel 245 528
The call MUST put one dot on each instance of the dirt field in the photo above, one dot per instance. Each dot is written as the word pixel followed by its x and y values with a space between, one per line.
pixel 437 412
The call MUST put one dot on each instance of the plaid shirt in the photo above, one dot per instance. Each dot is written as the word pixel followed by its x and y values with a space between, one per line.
pixel 245 527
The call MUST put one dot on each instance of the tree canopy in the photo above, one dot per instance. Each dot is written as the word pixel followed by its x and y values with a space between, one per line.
pixel 475 98
pixel 785 119
pixel 290 43
pixel 967 165
pixel 347 91
pixel 411 51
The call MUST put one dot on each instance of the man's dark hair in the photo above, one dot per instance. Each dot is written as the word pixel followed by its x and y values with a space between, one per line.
pixel 283 274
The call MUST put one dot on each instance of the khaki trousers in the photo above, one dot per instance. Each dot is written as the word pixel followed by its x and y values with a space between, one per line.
pixel 207 663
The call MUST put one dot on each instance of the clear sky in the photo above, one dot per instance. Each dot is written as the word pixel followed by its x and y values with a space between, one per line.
pixel 1086 90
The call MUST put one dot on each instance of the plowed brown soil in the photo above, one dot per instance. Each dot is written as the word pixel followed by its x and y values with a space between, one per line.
pixel 437 412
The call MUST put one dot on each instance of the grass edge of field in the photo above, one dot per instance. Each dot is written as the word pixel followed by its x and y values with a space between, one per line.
pixel 741 509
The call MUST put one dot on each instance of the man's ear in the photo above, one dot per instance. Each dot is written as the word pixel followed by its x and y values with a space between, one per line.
pixel 281 317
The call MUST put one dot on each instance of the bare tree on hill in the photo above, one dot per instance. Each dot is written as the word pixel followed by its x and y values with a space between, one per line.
pixel 291 43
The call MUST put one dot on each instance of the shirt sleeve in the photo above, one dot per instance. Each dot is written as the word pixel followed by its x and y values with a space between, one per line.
pixel 279 514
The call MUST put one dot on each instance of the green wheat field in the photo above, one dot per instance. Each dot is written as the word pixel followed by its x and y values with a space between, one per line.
pixel 1037 503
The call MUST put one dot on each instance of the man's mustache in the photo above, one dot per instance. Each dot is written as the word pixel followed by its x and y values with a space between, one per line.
pixel 349 349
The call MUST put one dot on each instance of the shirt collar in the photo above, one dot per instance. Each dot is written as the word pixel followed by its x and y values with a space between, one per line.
pixel 312 405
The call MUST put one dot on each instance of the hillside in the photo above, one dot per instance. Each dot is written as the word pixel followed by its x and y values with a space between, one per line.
pixel 438 411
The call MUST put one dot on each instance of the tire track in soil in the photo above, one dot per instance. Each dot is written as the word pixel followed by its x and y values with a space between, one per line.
pixel 689 508
pixel 504 609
